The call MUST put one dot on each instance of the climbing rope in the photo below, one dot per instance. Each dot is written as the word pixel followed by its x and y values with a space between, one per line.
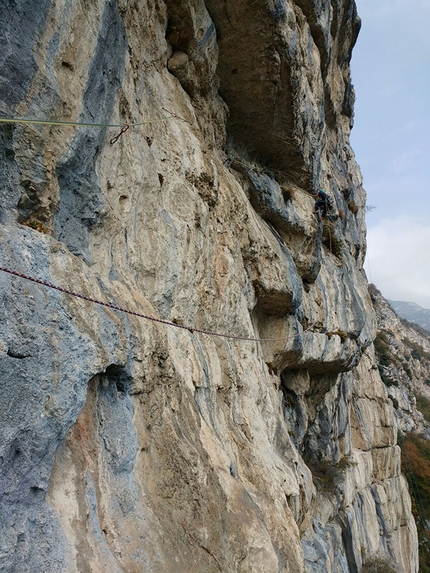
pixel 140 315
pixel 124 127
pixel 49 122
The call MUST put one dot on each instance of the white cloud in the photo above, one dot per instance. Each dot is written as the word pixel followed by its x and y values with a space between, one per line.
pixel 390 70
pixel 398 261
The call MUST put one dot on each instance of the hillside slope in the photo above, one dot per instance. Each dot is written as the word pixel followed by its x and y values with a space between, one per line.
pixel 403 354
pixel 412 312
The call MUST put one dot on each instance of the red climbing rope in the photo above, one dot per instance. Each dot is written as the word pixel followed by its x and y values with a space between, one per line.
pixel 140 315
pixel 123 130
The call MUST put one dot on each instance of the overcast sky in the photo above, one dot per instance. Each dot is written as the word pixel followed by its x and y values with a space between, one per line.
pixel 391 140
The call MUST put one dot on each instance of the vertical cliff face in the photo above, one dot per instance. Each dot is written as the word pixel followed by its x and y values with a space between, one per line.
pixel 131 445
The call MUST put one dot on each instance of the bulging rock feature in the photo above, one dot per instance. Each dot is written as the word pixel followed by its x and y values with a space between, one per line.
pixel 246 429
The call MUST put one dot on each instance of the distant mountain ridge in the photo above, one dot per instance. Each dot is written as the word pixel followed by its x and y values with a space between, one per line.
pixel 412 312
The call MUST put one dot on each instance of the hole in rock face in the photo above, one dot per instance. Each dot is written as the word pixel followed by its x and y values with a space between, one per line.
pixel 274 304
pixel 10 153
pixel 118 376
pixel 36 490
pixel 179 26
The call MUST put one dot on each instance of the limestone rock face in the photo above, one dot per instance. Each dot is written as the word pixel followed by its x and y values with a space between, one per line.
pixel 129 445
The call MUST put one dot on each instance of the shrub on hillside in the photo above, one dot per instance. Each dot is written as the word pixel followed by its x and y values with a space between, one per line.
pixel 378 565
pixel 331 241
pixel 423 405
pixel 417 351
pixel 382 348
pixel 416 467
pixel 373 291
pixel 328 474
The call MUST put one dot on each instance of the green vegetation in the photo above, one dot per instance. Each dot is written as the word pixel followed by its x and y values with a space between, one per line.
pixel 382 348
pixel 416 467
pixel 386 358
pixel 330 240
pixel 417 350
pixel 378 565
pixel 328 474
pixel 423 405
pixel 36 225
pixel 341 333
pixel 373 291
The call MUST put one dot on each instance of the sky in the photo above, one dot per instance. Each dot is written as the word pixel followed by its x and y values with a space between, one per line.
pixel 390 71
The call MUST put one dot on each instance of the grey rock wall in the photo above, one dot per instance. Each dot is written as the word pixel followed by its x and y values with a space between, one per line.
pixel 130 445
pixel 403 358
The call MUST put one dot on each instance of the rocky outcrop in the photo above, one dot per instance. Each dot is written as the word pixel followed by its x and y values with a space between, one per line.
pixel 133 445
pixel 403 355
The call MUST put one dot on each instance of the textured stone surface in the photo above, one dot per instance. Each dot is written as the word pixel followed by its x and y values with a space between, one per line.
pixel 403 357
pixel 127 445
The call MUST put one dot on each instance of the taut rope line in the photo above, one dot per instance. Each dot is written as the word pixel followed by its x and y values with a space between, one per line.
pixel 140 315
pixel 124 126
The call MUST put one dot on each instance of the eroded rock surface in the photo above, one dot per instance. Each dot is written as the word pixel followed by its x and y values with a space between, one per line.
pixel 403 357
pixel 129 445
